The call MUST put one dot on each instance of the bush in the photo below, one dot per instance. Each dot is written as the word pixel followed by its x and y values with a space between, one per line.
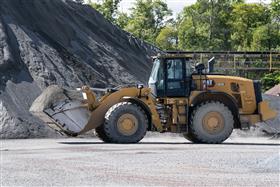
pixel 270 80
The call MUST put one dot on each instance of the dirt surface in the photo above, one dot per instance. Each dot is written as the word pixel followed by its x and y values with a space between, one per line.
pixel 45 42
pixel 162 160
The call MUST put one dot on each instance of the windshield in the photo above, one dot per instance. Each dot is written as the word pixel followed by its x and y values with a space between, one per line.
pixel 174 69
pixel 154 72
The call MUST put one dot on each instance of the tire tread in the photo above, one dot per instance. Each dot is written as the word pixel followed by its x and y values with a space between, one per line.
pixel 195 137
pixel 106 134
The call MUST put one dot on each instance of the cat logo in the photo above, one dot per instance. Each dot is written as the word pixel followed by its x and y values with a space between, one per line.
pixel 208 83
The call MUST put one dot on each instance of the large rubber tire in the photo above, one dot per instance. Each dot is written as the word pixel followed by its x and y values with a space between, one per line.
pixel 198 133
pixel 101 134
pixel 189 137
pixel 109 132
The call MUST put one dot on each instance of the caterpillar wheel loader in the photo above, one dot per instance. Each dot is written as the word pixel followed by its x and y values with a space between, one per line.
pixel 181 98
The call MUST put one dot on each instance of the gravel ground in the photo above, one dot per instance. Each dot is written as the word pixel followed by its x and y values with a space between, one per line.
pixel 163 160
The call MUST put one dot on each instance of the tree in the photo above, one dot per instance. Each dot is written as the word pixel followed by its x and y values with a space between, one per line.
pixel 167 38
pixel 122 19
pixel 108 8
pixel 205 25
pixel 275 9
pixel 265 38
pixel 275 17
pixel 245 19
pixel 147 18
pixel 191 34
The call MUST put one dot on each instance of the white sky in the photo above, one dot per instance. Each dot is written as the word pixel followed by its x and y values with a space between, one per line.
pixel 175 5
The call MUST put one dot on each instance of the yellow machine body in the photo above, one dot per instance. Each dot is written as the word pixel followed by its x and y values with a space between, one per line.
pixel 248 110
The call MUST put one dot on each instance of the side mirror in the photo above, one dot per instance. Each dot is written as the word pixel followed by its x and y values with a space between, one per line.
pixel 199 67
pixel 140 86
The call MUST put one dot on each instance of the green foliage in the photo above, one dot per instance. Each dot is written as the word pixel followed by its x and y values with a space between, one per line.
pixel 265 38
pixel 225 25
pixel 167 38
pixel 275 10
pixel 122 19
pixel 245 19
pixel 270 80
pixel 147 18
pixel 205 26
pixel 108 8
pixel 229 25
pixel 275 18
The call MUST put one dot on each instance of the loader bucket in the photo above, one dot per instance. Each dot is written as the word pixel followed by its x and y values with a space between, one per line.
pixel 63 110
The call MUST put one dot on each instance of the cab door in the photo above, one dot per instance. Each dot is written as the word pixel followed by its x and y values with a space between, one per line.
pixel 175 78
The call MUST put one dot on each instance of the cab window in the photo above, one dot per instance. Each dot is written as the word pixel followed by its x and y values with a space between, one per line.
pixel 174 69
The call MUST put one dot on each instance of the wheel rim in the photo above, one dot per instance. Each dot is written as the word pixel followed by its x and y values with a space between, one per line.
pixel 127 124
pixel 213 122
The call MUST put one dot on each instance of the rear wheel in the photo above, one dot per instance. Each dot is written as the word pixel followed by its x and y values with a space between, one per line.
pixel 125 122
pixel 210 123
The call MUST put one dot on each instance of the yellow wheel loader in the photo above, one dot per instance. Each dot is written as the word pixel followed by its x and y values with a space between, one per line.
pixel 181 98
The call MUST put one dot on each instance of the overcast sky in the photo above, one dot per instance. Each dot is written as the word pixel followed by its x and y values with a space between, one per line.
pixel 175 5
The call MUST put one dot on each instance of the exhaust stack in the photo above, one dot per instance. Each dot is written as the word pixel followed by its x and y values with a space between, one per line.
pixel 211 63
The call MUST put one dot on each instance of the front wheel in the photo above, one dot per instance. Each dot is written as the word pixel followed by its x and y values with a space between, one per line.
pixel 125 122
pixel 210 122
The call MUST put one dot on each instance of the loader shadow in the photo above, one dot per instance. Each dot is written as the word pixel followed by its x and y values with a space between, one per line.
pixel 171 143
pixel 254 144
pixel 152 143
pixel 226 143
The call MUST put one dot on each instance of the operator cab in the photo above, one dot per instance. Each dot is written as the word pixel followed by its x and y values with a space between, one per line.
pixel 171 76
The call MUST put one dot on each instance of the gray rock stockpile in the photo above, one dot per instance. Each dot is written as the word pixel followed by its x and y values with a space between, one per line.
pixel 45 42
pixel 272 126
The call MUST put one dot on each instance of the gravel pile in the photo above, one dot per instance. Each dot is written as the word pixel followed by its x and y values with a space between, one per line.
pixel 59 42
pixel 274 91
pixel 272 126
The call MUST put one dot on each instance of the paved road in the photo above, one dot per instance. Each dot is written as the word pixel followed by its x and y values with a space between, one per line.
pixel 158 161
